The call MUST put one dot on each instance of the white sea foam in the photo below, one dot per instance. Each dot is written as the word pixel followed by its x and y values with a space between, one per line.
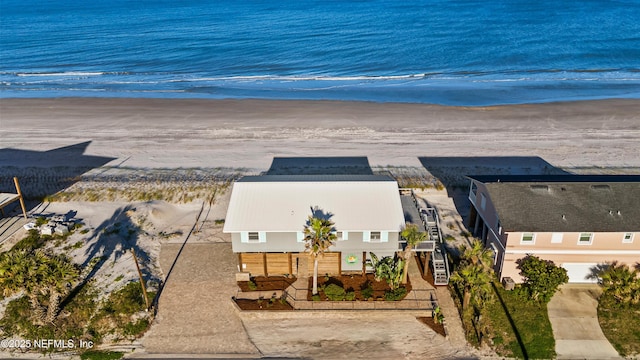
pixel 65 73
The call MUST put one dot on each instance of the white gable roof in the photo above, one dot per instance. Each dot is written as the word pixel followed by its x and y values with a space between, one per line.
pixel 277 203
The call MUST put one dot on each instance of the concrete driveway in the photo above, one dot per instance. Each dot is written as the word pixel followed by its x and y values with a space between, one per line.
pixel 574 319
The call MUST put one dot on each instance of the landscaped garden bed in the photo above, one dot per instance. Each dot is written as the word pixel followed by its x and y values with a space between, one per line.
pixel 266 283
pixel 430 322
pixel 272 303
pixel 356 287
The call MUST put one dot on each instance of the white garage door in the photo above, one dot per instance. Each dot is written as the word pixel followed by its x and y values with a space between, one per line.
pixel 581 272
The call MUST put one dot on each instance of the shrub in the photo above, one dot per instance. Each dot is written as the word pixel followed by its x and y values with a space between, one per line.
pixel 350 296
pixel 334 292
pixel 252 285
pixel 315 297
pixel 395 294
pixel 367 291
pixel 542 278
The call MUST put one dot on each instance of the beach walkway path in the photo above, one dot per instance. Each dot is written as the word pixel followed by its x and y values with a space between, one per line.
pixel 195 313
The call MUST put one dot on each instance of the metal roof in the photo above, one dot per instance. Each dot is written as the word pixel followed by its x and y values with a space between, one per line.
pixel 282 203
pixel 589 205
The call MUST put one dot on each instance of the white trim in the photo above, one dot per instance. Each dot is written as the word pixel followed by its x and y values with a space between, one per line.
pixel 575 252
pixel 343 235
pixel 483 202
pixel 384 236
pixel 366 236
pixel 531 242
pixel 627 241
pixel 262 236
pixel 591 235
pixel 299 236
pixel 495 252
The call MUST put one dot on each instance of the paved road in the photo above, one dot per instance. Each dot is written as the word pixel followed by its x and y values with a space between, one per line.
pixel 574 319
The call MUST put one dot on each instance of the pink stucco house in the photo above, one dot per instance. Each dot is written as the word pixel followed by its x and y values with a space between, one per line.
pixel 580 222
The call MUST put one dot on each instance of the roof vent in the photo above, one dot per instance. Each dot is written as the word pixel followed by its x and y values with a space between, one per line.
pixel 619 212
pixel 539 187
pixel 564 217
pixel 600 187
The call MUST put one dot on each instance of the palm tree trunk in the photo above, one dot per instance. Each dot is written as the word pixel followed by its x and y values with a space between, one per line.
pixel 466 299
pixel 407 258
pixel 38 311
pixel 54 303
pixel 315 276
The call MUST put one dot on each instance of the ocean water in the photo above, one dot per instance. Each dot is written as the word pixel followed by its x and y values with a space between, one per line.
pixel 452 52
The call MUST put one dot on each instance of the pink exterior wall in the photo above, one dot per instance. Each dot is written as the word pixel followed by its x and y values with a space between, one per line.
pixel 489 213
pixel 605 247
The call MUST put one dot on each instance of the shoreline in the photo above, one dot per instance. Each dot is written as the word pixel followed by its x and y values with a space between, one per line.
pixel 248 134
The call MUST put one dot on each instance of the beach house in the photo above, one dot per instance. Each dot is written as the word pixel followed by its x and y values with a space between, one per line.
pixel 580 222
pixel 267 214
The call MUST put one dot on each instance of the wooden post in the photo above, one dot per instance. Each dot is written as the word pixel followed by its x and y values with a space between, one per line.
pixel 364 263
pixel 264 263
pixel 290 265
pixel 144 287
pixel 24 208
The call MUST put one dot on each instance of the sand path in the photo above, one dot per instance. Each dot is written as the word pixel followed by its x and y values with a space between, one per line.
pixel 195 314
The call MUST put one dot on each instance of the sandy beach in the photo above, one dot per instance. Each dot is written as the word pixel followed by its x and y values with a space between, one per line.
pixel 158 133
pixel 109 159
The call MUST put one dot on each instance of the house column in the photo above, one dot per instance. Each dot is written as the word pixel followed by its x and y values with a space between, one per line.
pixel 476 225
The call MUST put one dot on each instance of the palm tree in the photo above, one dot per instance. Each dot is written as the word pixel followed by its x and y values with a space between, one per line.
pixel 621 282
pixel 475 282
pixel 319 236
pixel 22 271
pixel 58 278
pixel 477 253
pixel 414 236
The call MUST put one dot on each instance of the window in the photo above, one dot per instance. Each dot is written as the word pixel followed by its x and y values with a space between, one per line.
pixel 474 188
pixel 342 235
pixel 375 236
pixel 628 238
pixel 254 237
pixel 528 238
pixel 585 239
pixel 556 238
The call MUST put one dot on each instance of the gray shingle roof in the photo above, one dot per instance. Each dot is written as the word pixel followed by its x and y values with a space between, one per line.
pixel 579 204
